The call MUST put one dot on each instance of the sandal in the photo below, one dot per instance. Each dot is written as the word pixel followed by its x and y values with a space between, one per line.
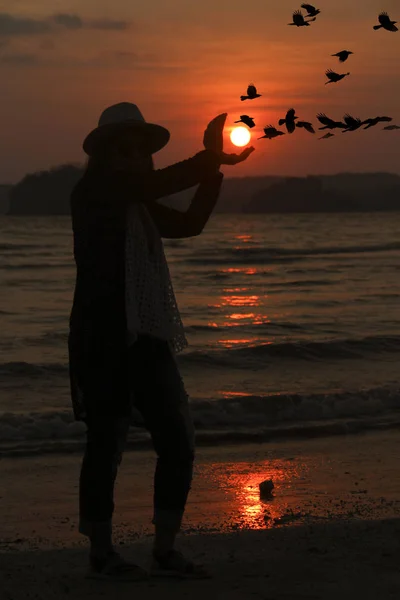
pixel 174 564
pixel 115 568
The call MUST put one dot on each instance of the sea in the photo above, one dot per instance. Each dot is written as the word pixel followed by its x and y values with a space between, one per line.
pixel 293 323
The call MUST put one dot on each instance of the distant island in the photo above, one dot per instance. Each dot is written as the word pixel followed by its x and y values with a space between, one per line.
pixel 48 192
pixel 340 193
pixel 4 197
pixel 44 192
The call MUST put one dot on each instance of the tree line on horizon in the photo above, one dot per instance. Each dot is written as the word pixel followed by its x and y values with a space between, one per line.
pixel 47 192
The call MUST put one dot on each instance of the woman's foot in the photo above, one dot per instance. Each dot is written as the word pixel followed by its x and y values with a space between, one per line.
pixel 174 564
pixel 114 568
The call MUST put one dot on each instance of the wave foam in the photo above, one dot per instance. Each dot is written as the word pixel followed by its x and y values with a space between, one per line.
pixel 242 357
pixel 248 418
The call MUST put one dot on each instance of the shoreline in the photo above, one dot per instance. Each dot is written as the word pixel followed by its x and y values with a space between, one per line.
pixel 334 477
pixel 331 529
pixel 326 562
pixel 310 430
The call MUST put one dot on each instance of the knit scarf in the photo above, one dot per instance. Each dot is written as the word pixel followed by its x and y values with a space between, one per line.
pixel 151 307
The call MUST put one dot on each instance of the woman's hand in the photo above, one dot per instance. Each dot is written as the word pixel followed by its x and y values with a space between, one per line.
pixel 213 135
pixel 234 159
pixel 213 140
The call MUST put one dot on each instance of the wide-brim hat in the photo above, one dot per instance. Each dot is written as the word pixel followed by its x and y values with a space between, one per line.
pixel 122 117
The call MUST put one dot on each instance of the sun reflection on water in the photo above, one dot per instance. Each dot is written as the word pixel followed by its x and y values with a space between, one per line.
pixel 239 483
pixel 233 307
pixel 240 316
pixel 238 301
pixel 233 343
pixel 232 394
pixel 244 238
pixel 245 270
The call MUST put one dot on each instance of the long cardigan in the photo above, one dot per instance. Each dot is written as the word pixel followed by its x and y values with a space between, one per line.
pixel 97 344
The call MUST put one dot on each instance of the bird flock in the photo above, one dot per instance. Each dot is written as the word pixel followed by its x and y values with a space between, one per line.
pixel 291 121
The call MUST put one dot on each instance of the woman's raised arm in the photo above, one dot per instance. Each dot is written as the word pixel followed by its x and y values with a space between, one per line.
pixel 148 187
pixel 174 224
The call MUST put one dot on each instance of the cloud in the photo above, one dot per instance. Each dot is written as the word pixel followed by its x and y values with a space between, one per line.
pixel 12 26
pixel 105 60
pixel 125 55
pixel 72 21
pixel 108 24
pixel 68 21
pixel 19 59
pixel 47 44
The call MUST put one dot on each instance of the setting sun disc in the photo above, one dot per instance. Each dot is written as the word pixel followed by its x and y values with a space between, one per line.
pixel 240 136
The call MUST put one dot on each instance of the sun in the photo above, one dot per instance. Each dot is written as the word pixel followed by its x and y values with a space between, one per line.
pixel 240 136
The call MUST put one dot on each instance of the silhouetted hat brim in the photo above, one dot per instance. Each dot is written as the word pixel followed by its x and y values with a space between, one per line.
pixel 157 136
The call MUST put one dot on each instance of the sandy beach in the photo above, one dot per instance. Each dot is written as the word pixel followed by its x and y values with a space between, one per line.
pixel 331 529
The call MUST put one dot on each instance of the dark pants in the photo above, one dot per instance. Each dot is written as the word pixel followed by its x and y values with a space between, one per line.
pixel 160 397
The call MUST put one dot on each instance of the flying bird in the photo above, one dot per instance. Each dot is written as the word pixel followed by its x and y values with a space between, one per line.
pixel 372 122
pixel 386 23
pixel 289 120
pixel 251 93
pixel 343 55
pixel 326 136
pixel 249 121
pixel 312 11
pixel 271 133
pixel 391 127
pixel 298 20
pixel 334 77
pixel 351 123
pixel 329 123
pixel 305 125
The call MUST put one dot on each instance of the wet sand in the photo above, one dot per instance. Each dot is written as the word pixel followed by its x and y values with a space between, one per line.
pixel 332 527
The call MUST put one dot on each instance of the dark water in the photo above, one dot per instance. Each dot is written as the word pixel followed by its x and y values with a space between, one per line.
pixel 293 323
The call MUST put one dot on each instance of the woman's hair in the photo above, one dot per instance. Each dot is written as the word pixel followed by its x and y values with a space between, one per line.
pixel 104 154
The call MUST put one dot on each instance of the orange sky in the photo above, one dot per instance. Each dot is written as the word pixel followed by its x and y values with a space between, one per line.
pixel 183 63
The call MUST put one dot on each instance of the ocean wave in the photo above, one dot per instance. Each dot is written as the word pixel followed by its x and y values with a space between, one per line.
pixel 4 246
pixel 243 419
pixel 249 255
pixel 301 283
pixel 32 370
pixel 250 326
pixel 257 354
pixel 58 337
pixel 37 266
pixel 49 338
pixel 277 284
pixel 244 356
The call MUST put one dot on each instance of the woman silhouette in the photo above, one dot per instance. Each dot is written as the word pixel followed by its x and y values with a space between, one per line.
pixel 125 327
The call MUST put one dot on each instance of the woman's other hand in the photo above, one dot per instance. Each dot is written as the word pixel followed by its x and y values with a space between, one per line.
pixel 234 159
pixel 213 140
pixel 213 135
